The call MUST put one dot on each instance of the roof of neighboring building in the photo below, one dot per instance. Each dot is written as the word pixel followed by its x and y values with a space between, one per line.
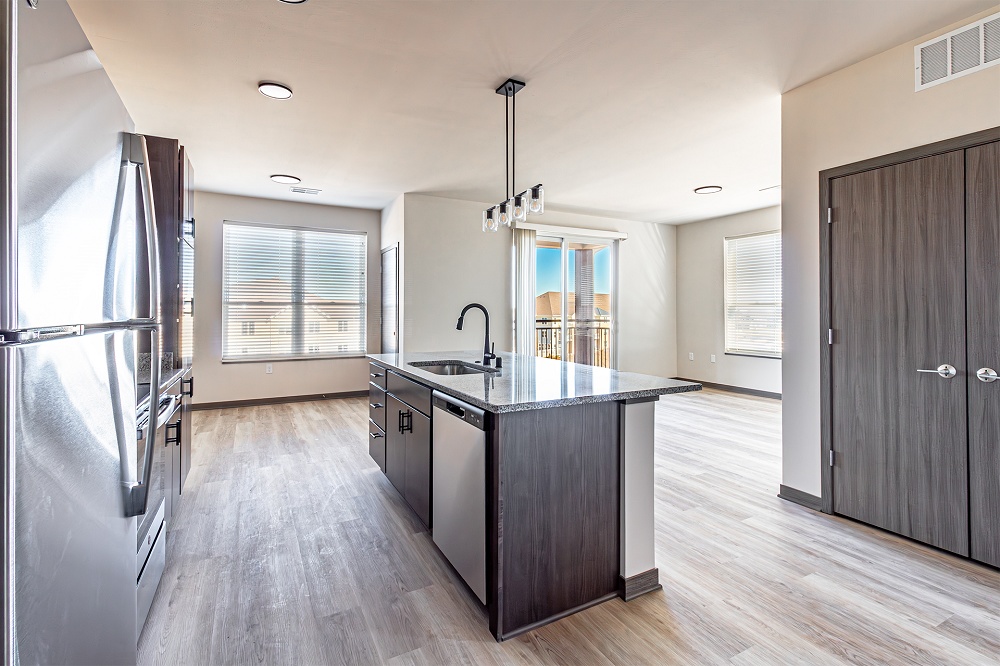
pixel 547 304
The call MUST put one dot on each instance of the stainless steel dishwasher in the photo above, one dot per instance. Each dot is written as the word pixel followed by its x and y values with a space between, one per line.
pixel 458 500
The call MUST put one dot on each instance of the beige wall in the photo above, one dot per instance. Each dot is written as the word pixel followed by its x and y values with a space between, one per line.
pixel 863 111
pixel 450 262
pixel 219 382
pixel 701 317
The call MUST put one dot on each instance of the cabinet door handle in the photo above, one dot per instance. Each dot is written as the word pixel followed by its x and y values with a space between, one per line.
pixel 406 422
pixel 176 439
pixel 944 370
pixel 986 375
pixel 375 435
pixel 376 405
pixel 376 375
pixel 190 387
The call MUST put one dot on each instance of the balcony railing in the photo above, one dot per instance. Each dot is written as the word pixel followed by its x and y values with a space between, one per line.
pixel 588 341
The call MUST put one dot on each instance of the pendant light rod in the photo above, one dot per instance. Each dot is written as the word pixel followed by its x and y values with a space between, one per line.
pixel 516 206
pixel 509 89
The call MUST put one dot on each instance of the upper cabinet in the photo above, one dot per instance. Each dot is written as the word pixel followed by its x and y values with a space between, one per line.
pixel 173 196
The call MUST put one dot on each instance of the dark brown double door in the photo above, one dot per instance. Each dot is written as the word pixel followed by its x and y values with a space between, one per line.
pixel 914 287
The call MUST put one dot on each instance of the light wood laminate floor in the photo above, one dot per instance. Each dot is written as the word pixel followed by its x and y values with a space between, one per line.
pixel 290 547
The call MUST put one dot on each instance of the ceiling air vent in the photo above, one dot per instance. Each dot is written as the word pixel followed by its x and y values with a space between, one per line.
pixel 969 49
pixel 304 190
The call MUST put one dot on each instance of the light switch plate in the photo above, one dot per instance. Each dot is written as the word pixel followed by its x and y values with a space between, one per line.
pixel 268 369
pixel 690 356
pixel 713 358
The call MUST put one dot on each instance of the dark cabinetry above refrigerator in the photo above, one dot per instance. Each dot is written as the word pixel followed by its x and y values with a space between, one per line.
pixel 173 196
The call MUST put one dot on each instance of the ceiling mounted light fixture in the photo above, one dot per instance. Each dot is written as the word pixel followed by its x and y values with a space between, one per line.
pixel 292 2
pixel 285 179
pixel 708 189
pixel 274 90
pixel 515 207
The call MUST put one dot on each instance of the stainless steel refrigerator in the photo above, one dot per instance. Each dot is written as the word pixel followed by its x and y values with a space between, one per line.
pixel 75 218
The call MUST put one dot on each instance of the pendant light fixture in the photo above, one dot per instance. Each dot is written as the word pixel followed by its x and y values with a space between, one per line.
pixel 515 207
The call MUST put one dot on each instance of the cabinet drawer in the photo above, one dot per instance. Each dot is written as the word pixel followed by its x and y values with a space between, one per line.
pixel 376 375
pixel 376 444
pixel 415 395
pixel 376 405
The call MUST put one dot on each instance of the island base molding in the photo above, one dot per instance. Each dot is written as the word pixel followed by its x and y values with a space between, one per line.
pixel 639 584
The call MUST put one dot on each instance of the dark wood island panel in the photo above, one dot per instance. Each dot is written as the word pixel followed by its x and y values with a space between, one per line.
pixel 554 514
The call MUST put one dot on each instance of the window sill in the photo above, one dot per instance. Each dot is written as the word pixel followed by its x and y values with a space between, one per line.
pixel 748 355
pixel 282 359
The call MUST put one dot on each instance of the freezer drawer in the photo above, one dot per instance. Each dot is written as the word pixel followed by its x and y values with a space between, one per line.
pixel 149 579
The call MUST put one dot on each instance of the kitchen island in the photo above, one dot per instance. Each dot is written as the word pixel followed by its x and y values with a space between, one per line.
pixel 567 478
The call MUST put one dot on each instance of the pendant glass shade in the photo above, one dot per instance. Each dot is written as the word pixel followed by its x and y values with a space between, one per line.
pixel 519 207
pixel 503 214
pixel 489 219
pixel 536 200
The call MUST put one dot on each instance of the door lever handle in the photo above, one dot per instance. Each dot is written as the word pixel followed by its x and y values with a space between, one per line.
pixel 944 370
pixel 987 375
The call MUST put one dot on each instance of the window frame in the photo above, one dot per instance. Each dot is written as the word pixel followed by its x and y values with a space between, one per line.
pixel 728 349
pixel 302 356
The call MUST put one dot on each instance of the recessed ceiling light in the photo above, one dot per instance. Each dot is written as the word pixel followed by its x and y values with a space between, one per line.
pixel 285 179
pixel 707 189
pixel 274 90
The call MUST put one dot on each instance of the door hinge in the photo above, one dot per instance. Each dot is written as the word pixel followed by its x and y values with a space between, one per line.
pixel 829 336
pixel 829 215
pixel 833 457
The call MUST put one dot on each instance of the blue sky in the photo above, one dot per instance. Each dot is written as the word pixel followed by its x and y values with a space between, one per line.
pixel 547 267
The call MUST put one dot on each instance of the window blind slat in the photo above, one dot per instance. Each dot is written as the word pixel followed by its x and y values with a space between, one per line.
pixel 753 295
pixel 293 293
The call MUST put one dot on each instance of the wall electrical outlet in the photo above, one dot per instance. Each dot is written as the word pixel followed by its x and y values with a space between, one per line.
pixel 713 358
pixel 268 369
pixel 690 356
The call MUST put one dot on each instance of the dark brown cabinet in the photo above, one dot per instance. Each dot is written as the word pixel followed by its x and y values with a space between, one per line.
pixel 913 305
pixel 417 490
pixel 172 176
pixel 982 209
pixel 183 445
pixel 399 436
pixel 395 444
pixel 173 431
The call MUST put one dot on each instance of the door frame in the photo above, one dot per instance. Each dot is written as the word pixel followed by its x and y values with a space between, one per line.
pixel 613 243
pixel 826 276
pixel 381 265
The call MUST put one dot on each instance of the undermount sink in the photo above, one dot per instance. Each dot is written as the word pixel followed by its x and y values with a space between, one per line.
pixel 451 367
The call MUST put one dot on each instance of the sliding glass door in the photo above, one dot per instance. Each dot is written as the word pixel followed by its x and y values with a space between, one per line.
pixel 575 299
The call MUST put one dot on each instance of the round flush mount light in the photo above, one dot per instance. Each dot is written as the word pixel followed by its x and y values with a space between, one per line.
pixel 292 2
pixel 708 189
pixel 285 179
pixel 274 90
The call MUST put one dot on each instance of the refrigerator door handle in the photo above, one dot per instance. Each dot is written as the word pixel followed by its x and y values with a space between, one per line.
pixel 139 493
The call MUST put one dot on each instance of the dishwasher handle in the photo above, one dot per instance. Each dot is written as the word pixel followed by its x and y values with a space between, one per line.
pixel 461 410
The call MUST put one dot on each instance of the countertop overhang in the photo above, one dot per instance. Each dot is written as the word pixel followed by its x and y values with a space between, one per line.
pixel 532 382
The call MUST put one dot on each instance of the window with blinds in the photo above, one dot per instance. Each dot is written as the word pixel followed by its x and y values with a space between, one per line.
pixel 753 295
pixel 292 293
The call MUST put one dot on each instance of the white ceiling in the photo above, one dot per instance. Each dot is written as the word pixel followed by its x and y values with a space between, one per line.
pixel 628 105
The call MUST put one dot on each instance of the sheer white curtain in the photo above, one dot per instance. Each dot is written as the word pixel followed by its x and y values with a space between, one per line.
pixel 524 291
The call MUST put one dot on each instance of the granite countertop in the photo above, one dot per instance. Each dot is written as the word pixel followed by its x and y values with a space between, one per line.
pixel 532 382
pixel 167 377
